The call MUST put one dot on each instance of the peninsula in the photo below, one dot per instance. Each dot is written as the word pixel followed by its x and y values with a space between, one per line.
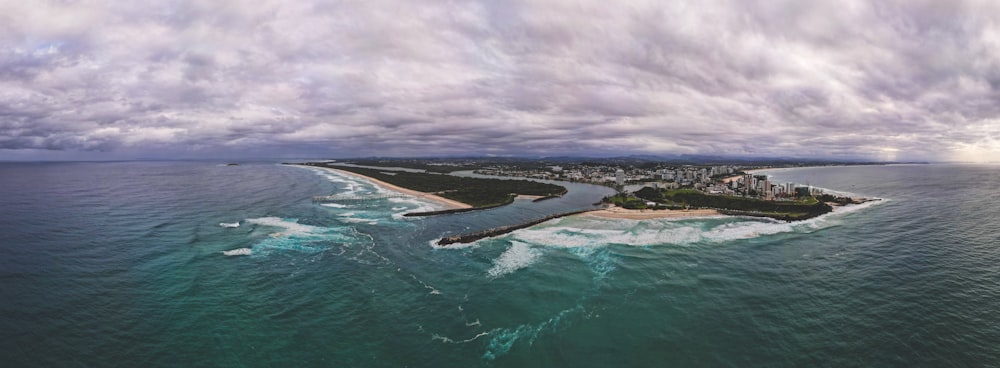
pixel 449 204
pixel 461 194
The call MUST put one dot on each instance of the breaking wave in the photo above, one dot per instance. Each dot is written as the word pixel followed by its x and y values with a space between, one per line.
pixel 518 256
pixel 238 252
pixel 410 204
pixel 291 226
pixel 352 185
pixel 586 232
pixel 302 238
pixel 349 185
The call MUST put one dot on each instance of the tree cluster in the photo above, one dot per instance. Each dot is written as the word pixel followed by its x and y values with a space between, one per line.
pixel 476 192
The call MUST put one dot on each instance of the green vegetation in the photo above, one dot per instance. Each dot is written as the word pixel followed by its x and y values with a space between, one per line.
pixel 835 199
pixel 431 166
pixel 626 201
pixel 473 191
pixel 783 210
pixel 810 200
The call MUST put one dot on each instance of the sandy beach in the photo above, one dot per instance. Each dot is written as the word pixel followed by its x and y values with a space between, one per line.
pixel 752 172
pixel 525 196
pixel 448 203
pixel 622 213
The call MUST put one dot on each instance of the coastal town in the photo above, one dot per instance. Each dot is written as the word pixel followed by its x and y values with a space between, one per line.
pixel 729 180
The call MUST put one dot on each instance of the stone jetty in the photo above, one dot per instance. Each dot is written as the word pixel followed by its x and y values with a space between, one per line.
pixel 497 231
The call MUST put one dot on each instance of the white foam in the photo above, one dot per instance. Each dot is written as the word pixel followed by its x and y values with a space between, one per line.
pixel 503 339
pixel 352 185
pixel 434 244
pixel 569 237
pixel 308 239
pixel 518 256
pixel 591 232
pixel 291 226
pixel 420 205
pixel 433 290
pixel 417 206
pixel 230 224
pixel 445 339
pixel 749 229
pixel 842 210
pixel 238 252
pixel 357 185
pixel 689 232
pixel 335 205
pixel 354 220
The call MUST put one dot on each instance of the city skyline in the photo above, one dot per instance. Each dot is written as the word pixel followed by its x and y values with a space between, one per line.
pixel 886 81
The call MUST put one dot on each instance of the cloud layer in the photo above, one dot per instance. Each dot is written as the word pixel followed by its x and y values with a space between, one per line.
pixel 844 79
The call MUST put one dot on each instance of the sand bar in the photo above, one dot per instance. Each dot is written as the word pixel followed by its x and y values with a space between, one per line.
pixel 531 197
pixel 448 203
pixel 622 213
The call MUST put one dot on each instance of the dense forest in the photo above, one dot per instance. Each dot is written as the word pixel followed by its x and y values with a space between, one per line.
pixel 624 200
pixel 473 191
pixel 783 210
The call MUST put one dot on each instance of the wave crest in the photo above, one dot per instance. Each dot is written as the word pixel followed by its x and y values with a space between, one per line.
pixel 518 256
pixel 589 232
pixel 238 252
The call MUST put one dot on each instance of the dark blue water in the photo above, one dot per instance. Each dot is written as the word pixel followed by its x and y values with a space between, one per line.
pixel 126 264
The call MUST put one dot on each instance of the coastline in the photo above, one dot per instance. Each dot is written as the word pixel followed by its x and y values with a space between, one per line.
pixel 783 168
pixel 448 203
pixel 627 214
pixel 751 172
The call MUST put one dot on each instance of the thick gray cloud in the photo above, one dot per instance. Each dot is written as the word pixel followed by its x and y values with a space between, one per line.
pixel 845 79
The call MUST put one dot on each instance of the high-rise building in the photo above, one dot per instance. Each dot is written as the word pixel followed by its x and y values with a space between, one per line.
pixel 620 177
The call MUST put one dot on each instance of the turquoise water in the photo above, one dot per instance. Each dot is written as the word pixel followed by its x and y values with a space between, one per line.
pixel 110 264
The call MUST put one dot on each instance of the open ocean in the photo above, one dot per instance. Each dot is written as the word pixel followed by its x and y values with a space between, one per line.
pixel 126 264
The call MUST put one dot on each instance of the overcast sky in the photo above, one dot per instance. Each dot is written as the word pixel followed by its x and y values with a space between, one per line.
pixel 891 80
